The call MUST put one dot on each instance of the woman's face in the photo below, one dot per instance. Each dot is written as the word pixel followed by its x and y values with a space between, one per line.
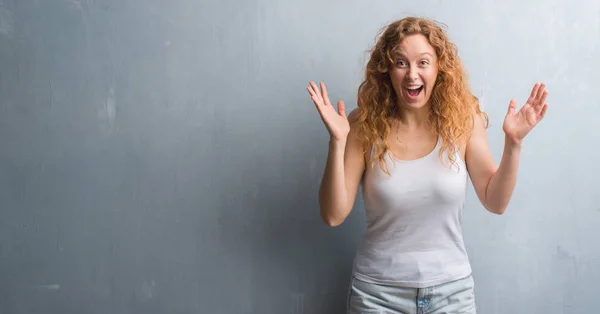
pixel 415 71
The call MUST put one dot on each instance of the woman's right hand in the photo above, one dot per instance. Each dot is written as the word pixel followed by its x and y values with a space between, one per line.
pixel 335 120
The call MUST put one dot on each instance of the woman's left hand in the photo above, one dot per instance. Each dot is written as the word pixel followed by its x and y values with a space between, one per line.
pixel 517 125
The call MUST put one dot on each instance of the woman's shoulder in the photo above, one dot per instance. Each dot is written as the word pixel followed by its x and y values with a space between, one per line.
pixel 354 115
pixel 355 121
pixel 359 135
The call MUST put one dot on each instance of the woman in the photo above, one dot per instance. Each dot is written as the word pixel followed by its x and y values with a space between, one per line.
pixel 416 136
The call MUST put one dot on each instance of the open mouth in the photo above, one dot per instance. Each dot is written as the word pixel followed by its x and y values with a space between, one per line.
pixel 414 91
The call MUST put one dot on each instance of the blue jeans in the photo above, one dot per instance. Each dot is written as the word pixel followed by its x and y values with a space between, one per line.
pixel 450 298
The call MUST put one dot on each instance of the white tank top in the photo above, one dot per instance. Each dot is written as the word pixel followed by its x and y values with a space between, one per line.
pixel 414 236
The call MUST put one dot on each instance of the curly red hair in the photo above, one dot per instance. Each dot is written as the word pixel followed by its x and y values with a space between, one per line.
pixel 452 104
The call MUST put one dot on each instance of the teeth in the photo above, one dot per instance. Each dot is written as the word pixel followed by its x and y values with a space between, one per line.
pixel 413 87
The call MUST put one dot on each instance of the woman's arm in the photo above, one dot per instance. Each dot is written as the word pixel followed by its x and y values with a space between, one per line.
pixel 494 185
pixel 345 164
pixel 341 178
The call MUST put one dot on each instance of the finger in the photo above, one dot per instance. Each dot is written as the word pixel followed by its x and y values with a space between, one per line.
pixel 540 91
pixel 315 89
pixel 342 108
pixel 315 95
pixel 317 104
pixel 534 91
pixel 542 102
pixel 543 112
pixel 311 92
pixel 325 95
pixel 511 107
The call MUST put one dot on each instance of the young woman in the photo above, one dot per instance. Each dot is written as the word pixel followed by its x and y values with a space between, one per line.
pixel 417 135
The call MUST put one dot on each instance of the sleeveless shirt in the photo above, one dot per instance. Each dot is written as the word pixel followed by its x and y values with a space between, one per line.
pixel 413 236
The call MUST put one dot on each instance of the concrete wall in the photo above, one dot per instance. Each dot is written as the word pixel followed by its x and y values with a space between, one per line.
pixel 164 156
